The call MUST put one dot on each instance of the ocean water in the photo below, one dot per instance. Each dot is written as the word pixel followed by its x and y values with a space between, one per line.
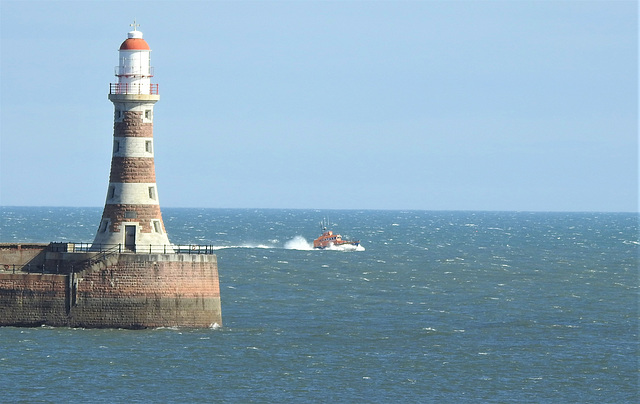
pixel 434 307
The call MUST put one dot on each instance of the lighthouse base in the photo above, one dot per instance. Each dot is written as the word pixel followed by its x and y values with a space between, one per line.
pixel 116 291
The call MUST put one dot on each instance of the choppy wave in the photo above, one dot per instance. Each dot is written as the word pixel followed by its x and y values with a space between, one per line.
pixel 521 306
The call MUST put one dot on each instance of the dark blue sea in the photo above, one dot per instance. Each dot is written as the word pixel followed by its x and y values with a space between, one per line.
pixel 434 307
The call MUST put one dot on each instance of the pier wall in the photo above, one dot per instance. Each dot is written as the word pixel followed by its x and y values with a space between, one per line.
pixel 33 299
pixel 120 291
pixel 20 254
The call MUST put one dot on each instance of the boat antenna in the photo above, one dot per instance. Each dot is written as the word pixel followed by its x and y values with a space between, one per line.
pixel 324 224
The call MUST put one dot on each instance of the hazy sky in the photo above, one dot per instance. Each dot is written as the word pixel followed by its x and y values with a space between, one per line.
pixel 434 105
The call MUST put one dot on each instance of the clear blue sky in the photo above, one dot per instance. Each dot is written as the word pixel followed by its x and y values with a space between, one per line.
pixel 434 105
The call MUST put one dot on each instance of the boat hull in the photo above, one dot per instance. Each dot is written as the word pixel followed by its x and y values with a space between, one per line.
pixel 322 246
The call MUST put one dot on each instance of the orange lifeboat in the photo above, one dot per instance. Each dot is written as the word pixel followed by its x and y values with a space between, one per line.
pixel 328 239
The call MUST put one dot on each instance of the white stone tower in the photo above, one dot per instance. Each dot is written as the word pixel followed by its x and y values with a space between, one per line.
pixel 131 219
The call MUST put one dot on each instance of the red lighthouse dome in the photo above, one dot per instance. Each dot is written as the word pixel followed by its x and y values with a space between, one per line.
pixel 134 42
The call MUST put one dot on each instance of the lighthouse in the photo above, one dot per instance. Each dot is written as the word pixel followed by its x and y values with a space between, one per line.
pixel 131 220
pixel 130 276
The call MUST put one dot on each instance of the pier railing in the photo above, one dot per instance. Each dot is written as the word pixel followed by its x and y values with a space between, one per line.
pixel 102 252
pixel 140 248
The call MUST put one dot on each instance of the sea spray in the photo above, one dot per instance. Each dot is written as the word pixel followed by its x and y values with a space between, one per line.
pixel 298 243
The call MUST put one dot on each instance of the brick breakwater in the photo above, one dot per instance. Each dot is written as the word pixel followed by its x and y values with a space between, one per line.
pixel 51 284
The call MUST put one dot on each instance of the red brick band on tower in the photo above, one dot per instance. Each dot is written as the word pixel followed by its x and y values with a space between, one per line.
pixel 132 125
pixel 132 169
pixel 144 215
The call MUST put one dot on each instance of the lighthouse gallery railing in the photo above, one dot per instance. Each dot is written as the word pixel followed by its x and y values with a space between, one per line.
pixel 133 88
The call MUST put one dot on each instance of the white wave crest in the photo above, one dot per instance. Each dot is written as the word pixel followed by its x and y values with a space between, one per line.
pixel 224 247
pixel 345 247
pixel 298 243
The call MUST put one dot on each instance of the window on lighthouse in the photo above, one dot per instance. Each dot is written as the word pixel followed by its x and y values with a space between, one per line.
pixel 152 193
pixel 105 224
pixel 148 146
